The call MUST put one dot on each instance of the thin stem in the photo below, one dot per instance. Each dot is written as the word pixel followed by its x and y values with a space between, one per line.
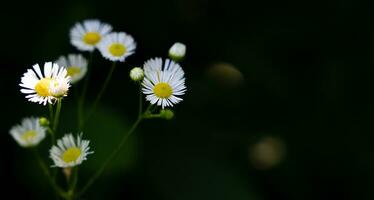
pixel 57 115
pixel 120 145
pixel 152 116
pixel 103 88
pixel 72 183
pixel 50 131
pixel 45 170
pixel 140 101
pixel 75 178
pixel 50 107
pixel 83 94
pixel 110 158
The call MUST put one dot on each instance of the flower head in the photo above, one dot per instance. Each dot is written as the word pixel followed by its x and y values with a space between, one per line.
pixel 177 51
pixel 29 133
pixel 86 35
pixel 137 74
pixel 69 151
pixel 163 82
pixel 117 46
pixel 76 66
pixel 45 88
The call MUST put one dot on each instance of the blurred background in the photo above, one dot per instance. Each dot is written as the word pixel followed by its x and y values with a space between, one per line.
pixel 279 102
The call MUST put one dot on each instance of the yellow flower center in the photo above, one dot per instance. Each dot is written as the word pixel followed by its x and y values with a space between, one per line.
pixel 71 154
pixel 29 135
pixel 163 90
pixel 73 71
pixel 117 49
pixel 91 38
pixel 42 87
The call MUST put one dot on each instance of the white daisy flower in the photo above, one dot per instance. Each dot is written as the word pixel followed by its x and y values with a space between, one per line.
pixel 163 82
pixel 76 66
pixel 29 133
pixel 137 74
pixel 69 151
pixel 117 46
pixel 85 36
pixel 177 51
pixel 45 88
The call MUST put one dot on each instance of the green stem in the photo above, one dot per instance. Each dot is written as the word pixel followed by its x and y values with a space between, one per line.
pixel 113 154
pixel 140 101
pixel 75 178
pixel 46 172
pixel 50 131
pixel 122 142
pixel 152 116
pixel 73 183
pixel 50 107
pixel 57 116
pixel 83 94
pixel 103 88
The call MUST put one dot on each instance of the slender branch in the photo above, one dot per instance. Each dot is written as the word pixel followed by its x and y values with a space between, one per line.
pixel 110 158
pixel 123 140
pixel 46 172
pixel 82 98
pixel 102 90
pixel 72 183
pixel 50 108
pixel 57 115
pixel 140 101
pixel 53 139
pixel 152 116
pixel 74 180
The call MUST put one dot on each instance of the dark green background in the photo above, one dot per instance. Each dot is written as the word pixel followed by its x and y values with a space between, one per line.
pixel 305 77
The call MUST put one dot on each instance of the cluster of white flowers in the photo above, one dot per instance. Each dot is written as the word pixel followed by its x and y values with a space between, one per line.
pixel 162 82
pixel 92 34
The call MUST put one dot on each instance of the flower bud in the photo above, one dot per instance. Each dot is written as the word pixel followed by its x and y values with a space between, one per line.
pixel 43 121
pixel 177 51
pixel 137 74
pixel 167 114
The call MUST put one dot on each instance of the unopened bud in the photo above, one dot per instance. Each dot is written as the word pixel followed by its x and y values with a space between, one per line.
pixel 44 121
pixel 137 74
pixel 167 114
pixel 177 51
